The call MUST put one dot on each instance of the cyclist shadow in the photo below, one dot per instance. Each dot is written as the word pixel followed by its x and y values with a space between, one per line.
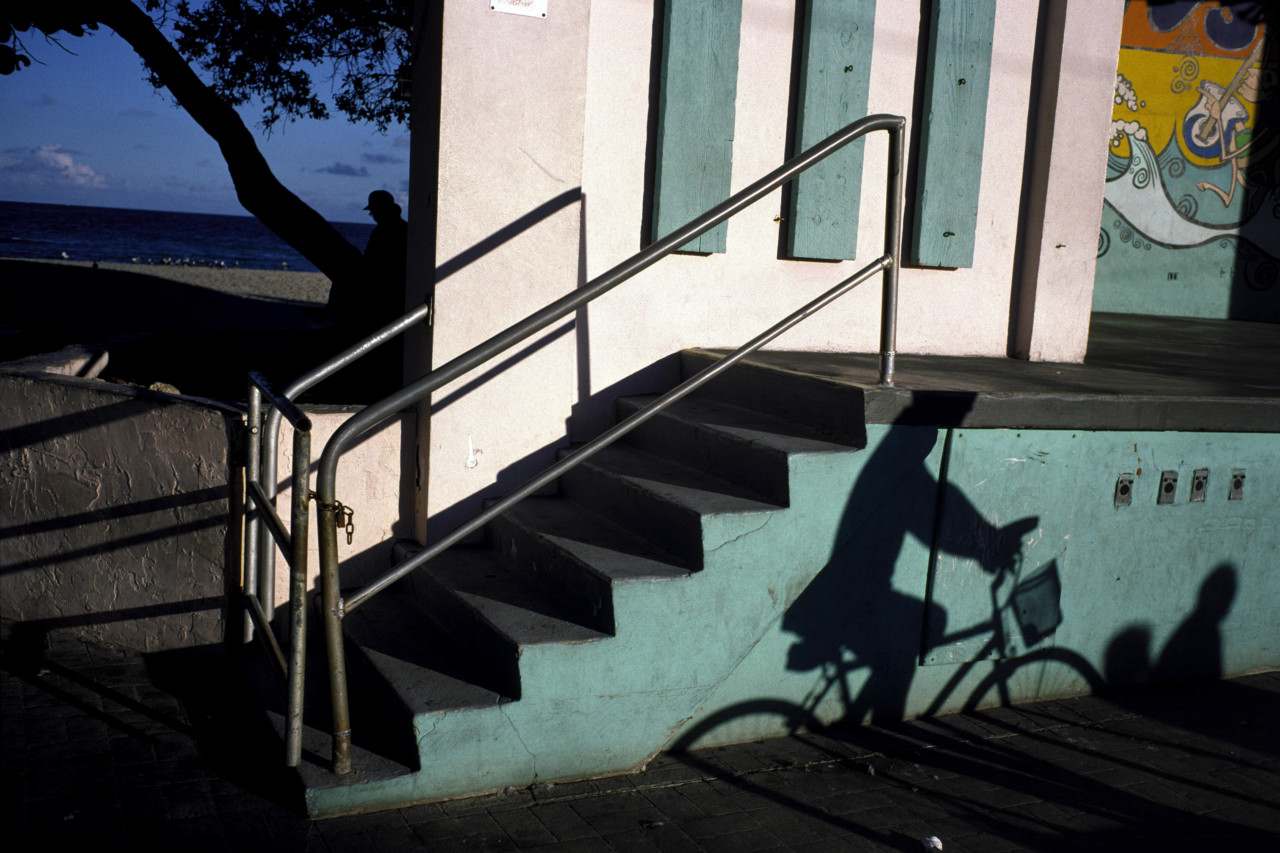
pixel 853 620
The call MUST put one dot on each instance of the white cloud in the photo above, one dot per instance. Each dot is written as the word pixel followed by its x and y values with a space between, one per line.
pixel 49 164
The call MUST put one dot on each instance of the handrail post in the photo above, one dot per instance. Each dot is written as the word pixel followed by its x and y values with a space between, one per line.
pixel 298 593
pixel 892 248
pixel 266 547
pixel 271 430
pixel 253 434
pixel 331 602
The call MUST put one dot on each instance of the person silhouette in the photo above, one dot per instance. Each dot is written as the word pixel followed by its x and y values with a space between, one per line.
pixel 1194 651
pixel 384 262
pixel 385 252
pixel 364 302
pixel 376 297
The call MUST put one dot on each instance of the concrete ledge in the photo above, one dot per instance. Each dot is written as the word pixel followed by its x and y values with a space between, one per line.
pixel 1141 373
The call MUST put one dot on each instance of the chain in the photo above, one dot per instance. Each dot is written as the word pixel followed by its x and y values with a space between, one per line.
pixel 343 516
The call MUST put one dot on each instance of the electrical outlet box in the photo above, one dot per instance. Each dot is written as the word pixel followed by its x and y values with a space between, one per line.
pixel 1237 485
pixel 1124 490
pixel 1199 485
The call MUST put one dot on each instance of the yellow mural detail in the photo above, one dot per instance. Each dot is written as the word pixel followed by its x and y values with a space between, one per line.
pixel 1165 89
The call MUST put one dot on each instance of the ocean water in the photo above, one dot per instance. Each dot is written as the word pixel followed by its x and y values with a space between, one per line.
pixel 57 231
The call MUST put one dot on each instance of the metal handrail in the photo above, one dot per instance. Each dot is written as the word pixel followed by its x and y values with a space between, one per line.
pixel 614 433
pixel 293 542
pixel 260 556
pixel 332 602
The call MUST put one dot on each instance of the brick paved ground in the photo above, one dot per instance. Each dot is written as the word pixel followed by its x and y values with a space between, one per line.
pixel 126 752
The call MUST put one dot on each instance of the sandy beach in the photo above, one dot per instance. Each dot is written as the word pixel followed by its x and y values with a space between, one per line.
pixel 110 300
pixel 197 328
pixel 271 285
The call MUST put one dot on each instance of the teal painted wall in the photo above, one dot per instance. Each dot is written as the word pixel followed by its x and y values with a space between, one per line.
pixel 699 85
pixel 835 76
pixel 901 620
pixel 870 597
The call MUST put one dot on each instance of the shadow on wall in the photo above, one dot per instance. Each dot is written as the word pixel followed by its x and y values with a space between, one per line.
pixel 1194 651
pixel 115 512
pixel 866 641
pixel 851 618
pixel 1255 283
pixel 661 374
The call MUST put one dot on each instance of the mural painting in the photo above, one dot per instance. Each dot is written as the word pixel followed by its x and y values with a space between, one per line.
pixel 1191 221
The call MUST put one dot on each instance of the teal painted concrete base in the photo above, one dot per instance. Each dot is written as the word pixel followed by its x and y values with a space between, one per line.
pixel 1143 592
pixel 930 571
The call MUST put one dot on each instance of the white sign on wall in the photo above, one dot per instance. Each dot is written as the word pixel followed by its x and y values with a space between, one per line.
pixel 532 8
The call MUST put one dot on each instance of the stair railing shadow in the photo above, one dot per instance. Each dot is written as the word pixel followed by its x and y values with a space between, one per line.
pixel 330 512
pixel 59 554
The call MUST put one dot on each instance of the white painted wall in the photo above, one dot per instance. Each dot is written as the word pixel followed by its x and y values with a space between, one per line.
pixel 534 107
pixel 511 130
pixel 723 300
pixel 375 479
pixel 1065 205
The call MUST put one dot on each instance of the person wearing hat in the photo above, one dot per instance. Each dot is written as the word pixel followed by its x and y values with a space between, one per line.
pixel 378 298
pixel 384 258
pixel 361 306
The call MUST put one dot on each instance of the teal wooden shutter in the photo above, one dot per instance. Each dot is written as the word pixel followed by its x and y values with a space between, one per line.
pixel 699 82
pixel 951 141
pixel 835 78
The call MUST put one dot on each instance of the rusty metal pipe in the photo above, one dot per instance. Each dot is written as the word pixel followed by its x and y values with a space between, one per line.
pixel 298 594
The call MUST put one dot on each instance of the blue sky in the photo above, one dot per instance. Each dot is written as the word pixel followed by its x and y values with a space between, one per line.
pixel 88 129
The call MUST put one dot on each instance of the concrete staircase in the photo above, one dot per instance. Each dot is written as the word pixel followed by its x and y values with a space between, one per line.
pixel 592 626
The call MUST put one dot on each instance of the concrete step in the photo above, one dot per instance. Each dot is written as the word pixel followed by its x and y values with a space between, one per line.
pixel 383 744
pixel 744 446
pixel 579 555
pixel 394 637
pixel 491 613
pixel 833 410
pixel 582 632
pixel 681 510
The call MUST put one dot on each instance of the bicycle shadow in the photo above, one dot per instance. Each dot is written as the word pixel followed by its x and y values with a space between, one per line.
pixel 863 631
pixel 855 617
pixel 1019 755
